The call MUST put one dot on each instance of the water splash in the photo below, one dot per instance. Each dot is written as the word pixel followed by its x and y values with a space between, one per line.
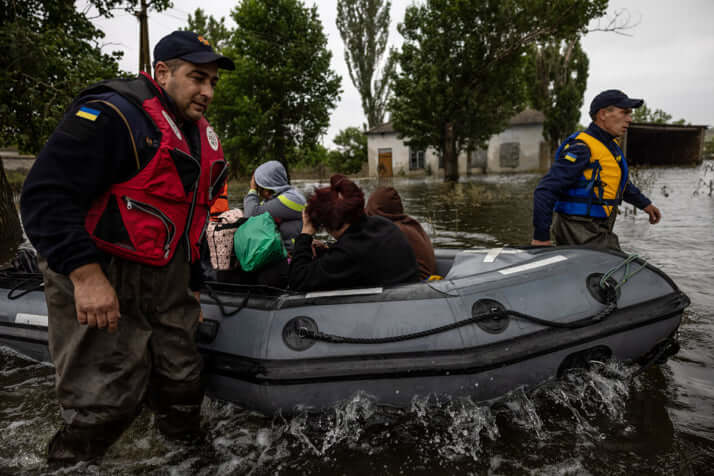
pixel 456 431
pixel 345 423
pixel 468 421
pixel 589 395
pixel 523 411
pixel 435 431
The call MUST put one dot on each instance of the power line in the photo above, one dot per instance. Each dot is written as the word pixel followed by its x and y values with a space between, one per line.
pixel 183 19
pixel 180 11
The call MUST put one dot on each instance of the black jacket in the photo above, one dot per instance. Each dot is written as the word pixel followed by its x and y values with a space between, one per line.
pixel 371 252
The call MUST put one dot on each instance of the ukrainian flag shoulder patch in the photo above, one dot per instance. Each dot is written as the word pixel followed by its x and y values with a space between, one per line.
pixel 88 113
pixel 570 157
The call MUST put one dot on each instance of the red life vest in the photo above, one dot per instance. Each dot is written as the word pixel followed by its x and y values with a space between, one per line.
pixel 144 218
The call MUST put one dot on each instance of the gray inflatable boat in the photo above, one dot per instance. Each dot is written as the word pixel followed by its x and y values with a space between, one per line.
pixel 500 319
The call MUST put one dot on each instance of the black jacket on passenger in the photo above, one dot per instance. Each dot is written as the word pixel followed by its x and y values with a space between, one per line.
pixel 371 252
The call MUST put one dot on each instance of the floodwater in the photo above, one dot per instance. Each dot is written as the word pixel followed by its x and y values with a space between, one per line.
pixel 596 422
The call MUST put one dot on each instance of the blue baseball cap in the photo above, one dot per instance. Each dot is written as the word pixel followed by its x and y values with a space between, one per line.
pixel 191 47
pixel 613 97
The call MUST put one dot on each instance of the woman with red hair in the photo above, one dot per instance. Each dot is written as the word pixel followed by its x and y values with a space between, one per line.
pixel 369 251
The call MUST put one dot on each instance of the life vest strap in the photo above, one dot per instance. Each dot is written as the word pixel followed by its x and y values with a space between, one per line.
pixel 593 201
pixel 128 128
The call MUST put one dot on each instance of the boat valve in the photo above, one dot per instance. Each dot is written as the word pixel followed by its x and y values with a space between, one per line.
pixel 603 292
pixel 496 320
pixel 296 332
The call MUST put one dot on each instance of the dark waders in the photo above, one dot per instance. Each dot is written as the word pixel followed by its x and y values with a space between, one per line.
pixel 585 231
pixel 103 378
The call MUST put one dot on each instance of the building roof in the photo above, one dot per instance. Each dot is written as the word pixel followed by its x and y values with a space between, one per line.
pixel 673 127
pixel 385 128
pixel 525 117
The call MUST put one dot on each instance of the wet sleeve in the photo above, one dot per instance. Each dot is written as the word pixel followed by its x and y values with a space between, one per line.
pixel 633 195
pixel 81 159
pixel 253 207
pixel 565 171
pixel 334 269
pixel 251 204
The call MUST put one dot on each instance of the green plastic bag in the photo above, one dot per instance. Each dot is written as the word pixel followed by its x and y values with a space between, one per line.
pixel 257 242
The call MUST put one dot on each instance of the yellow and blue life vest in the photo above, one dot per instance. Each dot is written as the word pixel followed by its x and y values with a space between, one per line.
pixel 601 186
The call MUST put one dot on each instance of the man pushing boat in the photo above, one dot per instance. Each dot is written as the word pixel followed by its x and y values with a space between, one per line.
pixel 589 180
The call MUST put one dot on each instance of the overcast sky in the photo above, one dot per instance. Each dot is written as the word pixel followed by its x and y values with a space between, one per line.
pixel 667 59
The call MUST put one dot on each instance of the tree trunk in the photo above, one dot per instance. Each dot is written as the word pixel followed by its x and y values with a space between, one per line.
pixel 10 231
pixel 451 162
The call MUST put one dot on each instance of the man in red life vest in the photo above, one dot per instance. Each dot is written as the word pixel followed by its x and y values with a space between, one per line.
pixel 116 205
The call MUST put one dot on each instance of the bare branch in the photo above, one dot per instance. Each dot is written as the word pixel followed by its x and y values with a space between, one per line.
pixel 112 43
pixel 618 23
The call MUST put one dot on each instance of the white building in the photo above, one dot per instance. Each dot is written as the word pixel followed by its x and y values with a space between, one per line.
pixel 519 148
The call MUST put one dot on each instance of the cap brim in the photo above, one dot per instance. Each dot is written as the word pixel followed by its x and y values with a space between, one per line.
pixel 630 103
pixel 204 57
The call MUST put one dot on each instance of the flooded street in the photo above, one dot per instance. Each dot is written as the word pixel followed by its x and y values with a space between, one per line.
pixel 604 421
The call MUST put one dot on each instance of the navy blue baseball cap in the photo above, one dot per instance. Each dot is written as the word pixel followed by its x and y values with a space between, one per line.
pixel 191 47
pixel 613 97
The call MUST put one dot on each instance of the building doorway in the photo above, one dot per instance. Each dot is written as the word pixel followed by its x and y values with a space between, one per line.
pixel 384 163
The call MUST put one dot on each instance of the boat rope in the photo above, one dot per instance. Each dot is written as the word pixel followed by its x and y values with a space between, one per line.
pixel 36 282
pixel 607 283
pixel 259 289
pixel 626 277
pixel 494 313
pixel 235 311
pixel 666 349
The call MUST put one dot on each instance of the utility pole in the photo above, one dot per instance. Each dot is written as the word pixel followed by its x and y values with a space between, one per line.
pixel 144 55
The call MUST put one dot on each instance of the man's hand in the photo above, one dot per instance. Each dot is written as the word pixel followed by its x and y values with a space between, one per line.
pixel 253 185
pixel 307 226
pixel 94 297
pixel 541 243
pixel 654 213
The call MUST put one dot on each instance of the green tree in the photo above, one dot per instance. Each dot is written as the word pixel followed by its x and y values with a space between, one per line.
pixel 708 151
pixel 557 73
pixel 657 116
pixel 462 66
pixel 351 151
pixel 215 31
pixel 50 54
pixel 278 100
pixel 364 28
pixel 645 114
pixel 312 157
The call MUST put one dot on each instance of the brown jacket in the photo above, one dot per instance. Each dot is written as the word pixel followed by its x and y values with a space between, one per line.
pixel 386 202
